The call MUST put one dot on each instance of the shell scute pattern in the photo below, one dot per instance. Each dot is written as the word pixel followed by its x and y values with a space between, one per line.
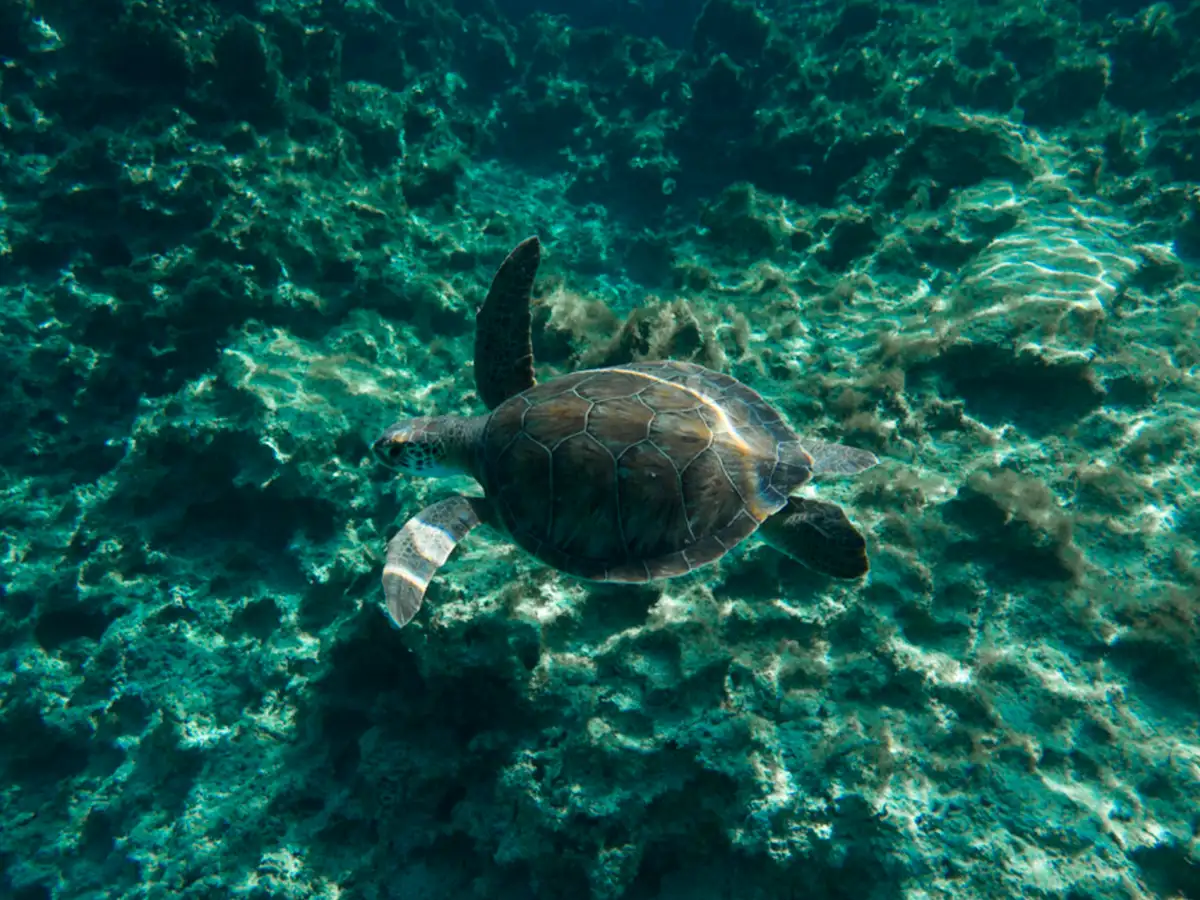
pixel 711 497
pixel 503 430
pixel 527 502
pixel 557 387
pixel 631 473
pixel 610 385
pixel 735 398
pixel 648 528
pixel 584 505
pixel 555 421
pixel 620 423
pixel 683 436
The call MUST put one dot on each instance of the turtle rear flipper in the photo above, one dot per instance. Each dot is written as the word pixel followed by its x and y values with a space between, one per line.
pixel 838 459
pixel 503 347
pixel 418 550
pixel 818 535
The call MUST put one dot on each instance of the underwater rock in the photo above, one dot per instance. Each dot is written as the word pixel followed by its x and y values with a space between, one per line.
pixel 236 239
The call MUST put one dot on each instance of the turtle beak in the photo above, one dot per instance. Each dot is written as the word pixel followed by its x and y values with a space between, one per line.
pixel 382 445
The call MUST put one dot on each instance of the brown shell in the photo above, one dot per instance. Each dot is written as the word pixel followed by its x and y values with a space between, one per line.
pixel 637 472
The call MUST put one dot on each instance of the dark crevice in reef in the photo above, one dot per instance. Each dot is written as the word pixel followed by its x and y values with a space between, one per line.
pixel 1168 672
pixel 1169 869
pixel 39 755
pixel 1003 386
pixel 200 502
pixel 55 628
pixel 1013 529
pixel 405 746
pixel 167 767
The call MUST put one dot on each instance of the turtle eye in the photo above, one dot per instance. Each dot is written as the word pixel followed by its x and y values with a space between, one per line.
pixel 393 451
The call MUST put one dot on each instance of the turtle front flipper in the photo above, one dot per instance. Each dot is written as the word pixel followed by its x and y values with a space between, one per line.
pixel 503 347
pixel 418 550
pixel 818 535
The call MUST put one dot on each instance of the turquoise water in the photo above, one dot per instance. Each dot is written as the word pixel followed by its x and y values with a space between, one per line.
pixel 238 240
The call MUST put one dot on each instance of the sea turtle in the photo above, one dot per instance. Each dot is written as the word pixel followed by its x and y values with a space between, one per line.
pixel 628 473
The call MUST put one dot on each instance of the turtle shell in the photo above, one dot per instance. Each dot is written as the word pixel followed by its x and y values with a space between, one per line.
pixel 637 472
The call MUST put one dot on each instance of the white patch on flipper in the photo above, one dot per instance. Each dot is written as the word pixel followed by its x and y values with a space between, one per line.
pixel 430 541
pixel 396 570
pixel 417 551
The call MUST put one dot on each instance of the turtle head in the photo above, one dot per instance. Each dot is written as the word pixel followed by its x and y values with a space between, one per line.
pixel 431 448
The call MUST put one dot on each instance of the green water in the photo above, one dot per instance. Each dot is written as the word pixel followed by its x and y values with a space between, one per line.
pixel 238 240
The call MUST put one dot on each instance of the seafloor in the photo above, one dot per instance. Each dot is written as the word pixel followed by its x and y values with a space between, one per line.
pixel 240 237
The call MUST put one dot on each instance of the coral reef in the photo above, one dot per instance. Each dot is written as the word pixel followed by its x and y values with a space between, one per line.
pixel 238 238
